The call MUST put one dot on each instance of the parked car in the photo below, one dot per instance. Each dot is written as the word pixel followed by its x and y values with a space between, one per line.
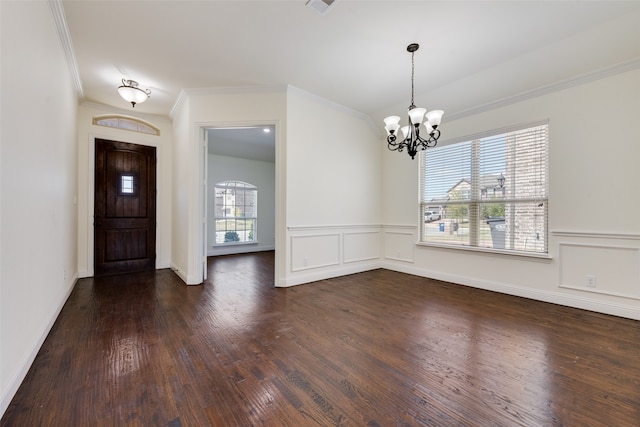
pixel 431 216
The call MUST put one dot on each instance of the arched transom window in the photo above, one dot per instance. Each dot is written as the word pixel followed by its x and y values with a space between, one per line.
pixel 126 123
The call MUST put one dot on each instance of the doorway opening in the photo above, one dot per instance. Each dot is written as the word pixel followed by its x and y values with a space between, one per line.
pixel 240 195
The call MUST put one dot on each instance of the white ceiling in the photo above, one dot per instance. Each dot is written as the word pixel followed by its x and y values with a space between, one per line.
pixel 472 53
pixel 251 142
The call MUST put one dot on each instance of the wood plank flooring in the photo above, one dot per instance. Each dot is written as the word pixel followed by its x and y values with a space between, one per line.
pixel 373 349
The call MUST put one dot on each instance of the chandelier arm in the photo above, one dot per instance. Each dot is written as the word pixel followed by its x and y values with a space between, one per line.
pixel 396 147
pixel 393 145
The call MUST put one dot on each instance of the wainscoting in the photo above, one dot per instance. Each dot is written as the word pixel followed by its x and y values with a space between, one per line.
pixel 318 253
pixel 586 270
pixel 600 263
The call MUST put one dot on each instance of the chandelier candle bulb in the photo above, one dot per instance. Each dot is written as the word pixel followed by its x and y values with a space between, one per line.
pixel 428 126
pixel 416 115
pixel 405 131
pixel 411 139
pixel 434 117
pixel 392 124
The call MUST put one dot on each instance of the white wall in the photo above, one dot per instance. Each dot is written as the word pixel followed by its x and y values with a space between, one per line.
pixel 260 174
pixel 327 178
pixel 199 109
pixel 593 203
pixel 333 190
pixel 182 189
pixel 87 133
pixel 38 186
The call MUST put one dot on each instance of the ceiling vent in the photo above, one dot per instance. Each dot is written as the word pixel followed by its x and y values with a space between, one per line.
pixel 320 6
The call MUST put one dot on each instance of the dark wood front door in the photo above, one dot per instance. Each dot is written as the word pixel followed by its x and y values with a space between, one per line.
pixel 125 208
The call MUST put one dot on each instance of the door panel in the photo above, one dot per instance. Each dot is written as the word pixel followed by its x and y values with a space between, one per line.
pixel 125 208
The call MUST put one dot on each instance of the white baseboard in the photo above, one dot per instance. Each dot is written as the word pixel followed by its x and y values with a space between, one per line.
pixel 239 249
pixel 181 274
pixel 574 301
pixel 327 273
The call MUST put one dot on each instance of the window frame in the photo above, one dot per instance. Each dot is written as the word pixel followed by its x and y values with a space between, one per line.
pixel 480 198
pixel 235 186
pixel 122 189
pixel 128 123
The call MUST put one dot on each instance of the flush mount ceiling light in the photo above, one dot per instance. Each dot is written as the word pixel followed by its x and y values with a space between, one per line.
pixel 130 92
pixel 411 139
pixel 320 6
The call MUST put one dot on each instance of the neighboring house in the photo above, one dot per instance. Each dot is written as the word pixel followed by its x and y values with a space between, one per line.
pixel 489 188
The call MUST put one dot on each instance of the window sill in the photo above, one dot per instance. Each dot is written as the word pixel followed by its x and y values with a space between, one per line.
pixel 224 245
pixel 489 251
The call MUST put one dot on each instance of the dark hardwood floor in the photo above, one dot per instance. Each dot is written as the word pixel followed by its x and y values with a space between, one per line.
pixel 373 349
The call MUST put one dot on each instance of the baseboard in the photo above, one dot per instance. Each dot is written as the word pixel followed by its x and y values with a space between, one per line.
pixel 181 274
pixel 14 383
pixel 574 301
pixel 327 273
pixel 239 249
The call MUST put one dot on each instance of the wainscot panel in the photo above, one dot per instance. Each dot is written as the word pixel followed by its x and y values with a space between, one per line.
pixel 605 269
pixel 361 246
pixel 322 252
pixel 314 251
pixel 399 244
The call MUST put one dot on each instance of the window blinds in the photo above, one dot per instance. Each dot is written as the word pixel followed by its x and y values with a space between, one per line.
pixel 490 190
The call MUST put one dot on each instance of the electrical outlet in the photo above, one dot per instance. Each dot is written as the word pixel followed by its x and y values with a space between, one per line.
pixel 591 280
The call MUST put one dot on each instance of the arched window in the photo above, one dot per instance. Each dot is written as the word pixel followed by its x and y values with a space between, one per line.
pixel 126 123
pixel 236 213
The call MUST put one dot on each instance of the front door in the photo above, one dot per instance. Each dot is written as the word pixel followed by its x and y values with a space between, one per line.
pixel 125 208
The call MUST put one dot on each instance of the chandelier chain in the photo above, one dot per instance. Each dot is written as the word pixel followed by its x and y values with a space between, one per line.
pixel 412 72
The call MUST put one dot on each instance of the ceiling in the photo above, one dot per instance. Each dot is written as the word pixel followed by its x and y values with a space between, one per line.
pixel 248 142
pixel 472 53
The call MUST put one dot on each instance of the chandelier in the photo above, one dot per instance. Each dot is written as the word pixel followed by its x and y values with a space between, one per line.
pixel 130 92
pixel 411 139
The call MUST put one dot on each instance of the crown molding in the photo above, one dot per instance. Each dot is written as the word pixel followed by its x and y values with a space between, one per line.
pixel 550 88
pixel 235 90
pixel 182 97
pixel 238 90
pixel 186 93
pixel 60 21
pixel 334 105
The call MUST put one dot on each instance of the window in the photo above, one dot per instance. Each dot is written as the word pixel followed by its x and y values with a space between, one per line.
pixel 235 212
pixel 127 183
pixel 489 191
pixel 126 123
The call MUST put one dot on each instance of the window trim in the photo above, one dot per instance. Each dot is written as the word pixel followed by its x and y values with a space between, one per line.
pixel 134 184
pixel 247 186
pixel 538 256
pixel 424 204
pixel 128 119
